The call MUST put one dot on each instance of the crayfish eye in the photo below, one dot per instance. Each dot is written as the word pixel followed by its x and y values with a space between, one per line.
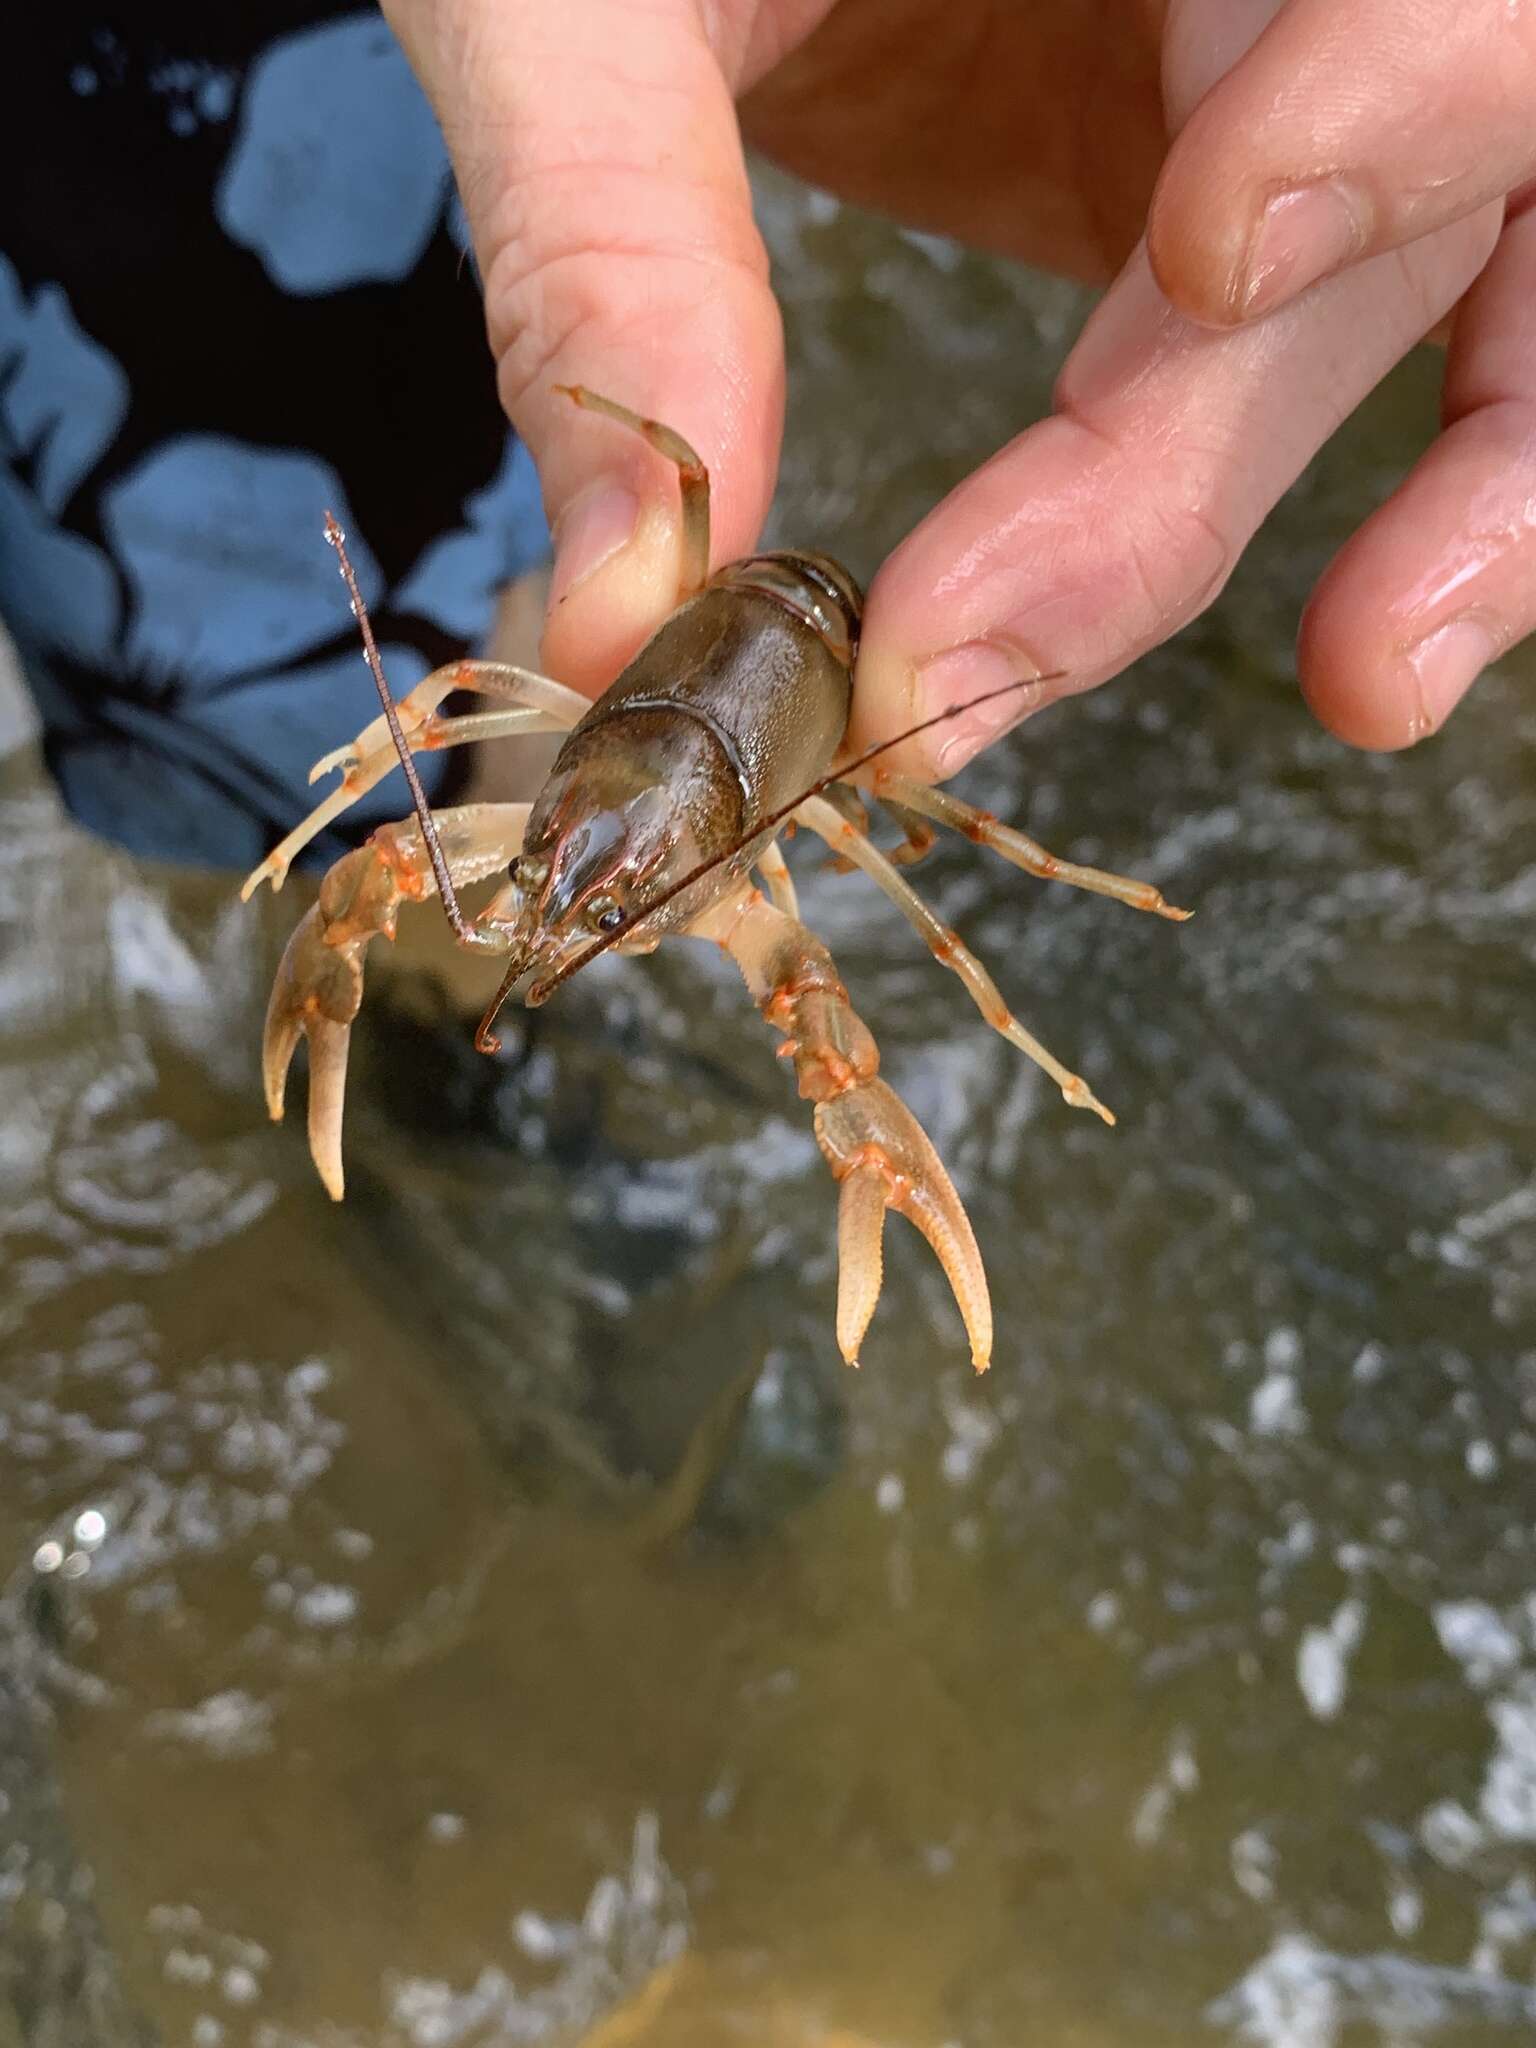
pixel 604 915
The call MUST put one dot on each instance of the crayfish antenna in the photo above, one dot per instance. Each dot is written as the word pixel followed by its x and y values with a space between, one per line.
pixel 438 860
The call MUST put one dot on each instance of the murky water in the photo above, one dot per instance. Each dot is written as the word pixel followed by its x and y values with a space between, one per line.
pixel 487 1613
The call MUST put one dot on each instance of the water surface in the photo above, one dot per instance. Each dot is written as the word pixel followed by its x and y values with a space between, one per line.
pixel 488 1613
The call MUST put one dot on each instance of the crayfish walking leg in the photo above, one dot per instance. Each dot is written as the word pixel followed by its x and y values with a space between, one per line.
pixel 904 795
pixel 946 947
pixel 536 704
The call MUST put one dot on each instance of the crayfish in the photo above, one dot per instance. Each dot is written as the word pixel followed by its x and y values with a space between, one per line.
pixel 662 804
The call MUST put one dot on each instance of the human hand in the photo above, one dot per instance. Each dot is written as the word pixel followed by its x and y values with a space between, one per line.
pixel 598 153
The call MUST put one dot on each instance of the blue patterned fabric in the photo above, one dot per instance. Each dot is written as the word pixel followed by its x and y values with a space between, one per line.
pixel 234 291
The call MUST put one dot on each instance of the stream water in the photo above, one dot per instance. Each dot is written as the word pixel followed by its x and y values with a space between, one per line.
pixel 486 1612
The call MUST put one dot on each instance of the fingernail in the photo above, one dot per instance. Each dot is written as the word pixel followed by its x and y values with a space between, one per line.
pixel 1302 236
pixel 597 523
pixel 1445 664
pixel 957 678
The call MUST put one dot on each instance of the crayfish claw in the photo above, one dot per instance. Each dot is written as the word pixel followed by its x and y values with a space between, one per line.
pixel 280 1041
pixel 317 993
pixel 345 758
pixel 878 1151
pixel 319 986
pixel 274 869
pixel 860 1255
pixel 327 1100
pixel 884 1159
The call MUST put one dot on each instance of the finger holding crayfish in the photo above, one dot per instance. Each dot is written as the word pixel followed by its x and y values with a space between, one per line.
pixel 665 797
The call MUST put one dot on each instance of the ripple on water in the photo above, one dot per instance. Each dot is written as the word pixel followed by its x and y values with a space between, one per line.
pixel 1197 1638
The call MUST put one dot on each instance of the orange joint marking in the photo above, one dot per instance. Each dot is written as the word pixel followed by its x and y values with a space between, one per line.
pixel 840 1072
pixel 396 864
pixel 808 982
pixel 899 1184
pixel 946 948
pixel 781 1001
pixel 463 670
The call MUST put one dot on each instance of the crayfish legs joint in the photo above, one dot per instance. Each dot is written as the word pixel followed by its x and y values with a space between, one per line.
pixel 948 949
pixel 905 797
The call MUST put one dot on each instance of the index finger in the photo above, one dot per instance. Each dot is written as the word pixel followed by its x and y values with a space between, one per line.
pixel 1100 531
pixel 600 164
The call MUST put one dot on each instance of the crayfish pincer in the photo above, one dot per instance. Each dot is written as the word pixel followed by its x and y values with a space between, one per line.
pixel 661 808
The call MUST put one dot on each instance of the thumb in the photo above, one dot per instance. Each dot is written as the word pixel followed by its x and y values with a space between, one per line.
pixel 600 165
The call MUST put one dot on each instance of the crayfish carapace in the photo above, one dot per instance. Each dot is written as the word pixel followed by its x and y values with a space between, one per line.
pixel 663 802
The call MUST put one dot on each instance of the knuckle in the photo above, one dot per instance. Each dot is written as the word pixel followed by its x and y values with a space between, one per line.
pixel 1186 550
pixel 612 247
pixel 545 298
pixel 1170 544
